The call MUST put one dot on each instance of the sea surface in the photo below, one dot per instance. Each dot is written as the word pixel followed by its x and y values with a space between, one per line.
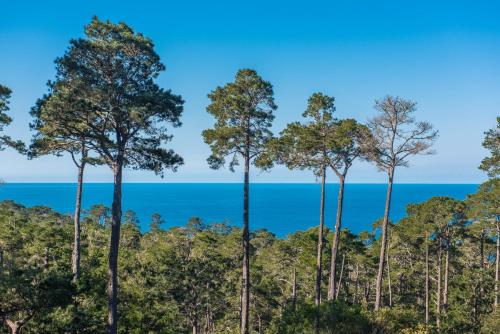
pixel 279 208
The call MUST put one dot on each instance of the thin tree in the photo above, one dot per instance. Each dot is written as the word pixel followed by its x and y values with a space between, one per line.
pixel 112 72
pixel 54 136
pixel 491 164
pixel 320 143
pixel 305 146
pixel 484 206
pixel 345 149
pixel 395 135
pixel 243 110
pixel 7 141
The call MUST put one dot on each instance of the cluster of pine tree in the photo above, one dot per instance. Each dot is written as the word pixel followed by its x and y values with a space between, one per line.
pixel 436 270
pixel 439 277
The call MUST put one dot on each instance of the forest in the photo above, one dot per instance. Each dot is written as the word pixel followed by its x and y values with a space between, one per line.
pixel 436 270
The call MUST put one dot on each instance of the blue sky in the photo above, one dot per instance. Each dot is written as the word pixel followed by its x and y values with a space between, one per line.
pixel 443 54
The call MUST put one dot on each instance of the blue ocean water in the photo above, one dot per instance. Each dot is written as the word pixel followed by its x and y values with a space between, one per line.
pixel 280 208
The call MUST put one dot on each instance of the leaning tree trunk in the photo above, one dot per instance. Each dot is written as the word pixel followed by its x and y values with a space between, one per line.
pixel 336 237
pixel 378 283
pixel 319 257
pixel 340 277
pixel 116 213
pixel 245 294
pixel 426 280
pixel 497 265
pixel 438 292
pixel 75 258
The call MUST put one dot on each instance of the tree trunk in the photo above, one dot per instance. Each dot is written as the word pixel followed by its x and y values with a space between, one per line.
pixel 340 277
pixel 195 326
pixel 14 326
pixel 116 213
pixel 319 257
pixel 75 258
pixel 497 265
pixel 336 237
pixel 481 264
pixel 438 292
pixel 388 276
pixel 378 283
pixel 356 285
pixel 245 295
pixel 426 280
pixel 446 275
pixel 294 290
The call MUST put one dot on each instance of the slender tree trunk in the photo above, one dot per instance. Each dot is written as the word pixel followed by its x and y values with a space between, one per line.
pixel 245 295
pixel 367 291
pixel 319 257
pixel 340 277
pixel 14 326
pixel 497 265
pixel 388 276
pixel 438 292
pixel 336 237
pixel 446 275
pixel 116 214
pixel 356 285
pixel 75 258
pixel 294 290
pixel 378 283
pixel 426 280
pixel 195 326
pixel 481 264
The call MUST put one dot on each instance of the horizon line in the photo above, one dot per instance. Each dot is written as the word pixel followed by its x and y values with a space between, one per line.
pixel 230 182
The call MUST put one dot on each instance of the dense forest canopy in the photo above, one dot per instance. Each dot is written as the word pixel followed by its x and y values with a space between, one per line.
pixel 436 270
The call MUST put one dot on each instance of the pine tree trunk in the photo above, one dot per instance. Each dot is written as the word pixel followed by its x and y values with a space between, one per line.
pixel 14 326
pixel 426 280
pixel 336 237
pixel 446 275
pixel 75 258
pixel 340 277
pixel 388 276
pixel 294 290
pixel 116 213
pixel 438 292
pixel 195 326
pixel 319 257
pixel 497 265
pixel 378 283
pixel 245 295
pixel 356 285
pixel 481 264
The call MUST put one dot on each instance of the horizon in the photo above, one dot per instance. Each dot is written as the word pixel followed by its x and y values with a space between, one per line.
pixel 230 182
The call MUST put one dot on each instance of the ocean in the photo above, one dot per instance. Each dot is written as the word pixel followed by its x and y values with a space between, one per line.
pixel 279 208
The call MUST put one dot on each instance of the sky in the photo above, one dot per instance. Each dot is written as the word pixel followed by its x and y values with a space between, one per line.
pixel 443 54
